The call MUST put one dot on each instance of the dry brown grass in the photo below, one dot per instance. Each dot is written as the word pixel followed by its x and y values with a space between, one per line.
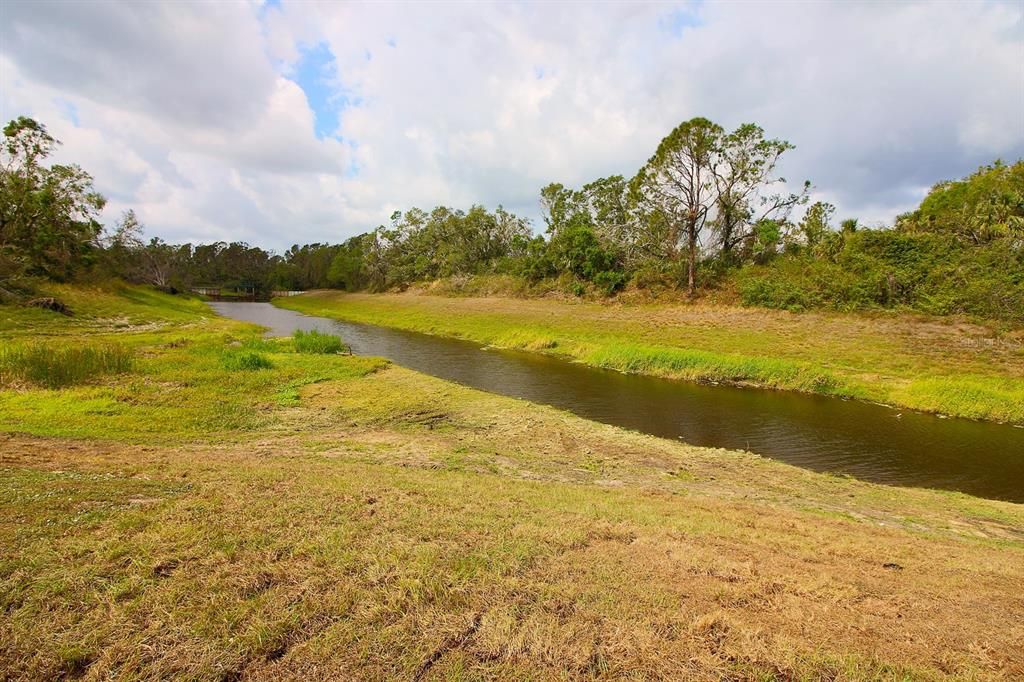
pixel 399 527
pixel 331 519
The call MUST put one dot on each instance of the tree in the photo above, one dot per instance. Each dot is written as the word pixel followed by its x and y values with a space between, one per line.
pixel 123 246
pixel 158 262
pixel 816 224
pixel 744 179
pixel 347 271
pixel 48 215
pixel 127 233
pixel 679 181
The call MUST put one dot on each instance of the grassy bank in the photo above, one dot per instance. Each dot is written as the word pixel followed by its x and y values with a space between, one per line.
pixel 954 368
pixel 333 517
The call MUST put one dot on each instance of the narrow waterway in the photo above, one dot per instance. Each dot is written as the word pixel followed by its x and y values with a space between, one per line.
pixel 870 442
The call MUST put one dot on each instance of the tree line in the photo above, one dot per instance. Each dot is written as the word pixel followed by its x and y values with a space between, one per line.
pixel 709 210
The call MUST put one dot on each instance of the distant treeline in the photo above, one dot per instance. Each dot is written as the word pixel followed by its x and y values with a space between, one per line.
pixel 708 211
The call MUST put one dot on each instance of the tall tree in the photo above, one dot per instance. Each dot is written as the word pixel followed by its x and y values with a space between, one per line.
pixel 679 182
pixel 745 186
pixel 48 214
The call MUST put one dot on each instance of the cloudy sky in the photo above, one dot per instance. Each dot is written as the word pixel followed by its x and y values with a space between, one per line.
pixel 295 121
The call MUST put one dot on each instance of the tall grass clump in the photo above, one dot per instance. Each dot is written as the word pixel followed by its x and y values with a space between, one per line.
pixel 246 361
pixel 54 366
pixel 317 342
pixel 703 365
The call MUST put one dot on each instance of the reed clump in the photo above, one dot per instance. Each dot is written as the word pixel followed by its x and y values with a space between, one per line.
pixel 316 342
pixel 57 366
pixel 247 361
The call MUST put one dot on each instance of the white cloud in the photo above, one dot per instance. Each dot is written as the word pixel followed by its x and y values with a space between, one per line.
pixel 188 112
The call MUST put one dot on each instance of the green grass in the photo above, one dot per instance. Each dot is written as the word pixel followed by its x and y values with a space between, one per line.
pixel 57 366
pixel 335 517
pixel 315 341
pixel 701 365
pixel 246 361
pixel 943 366
pixel 102 309
pixel 195 376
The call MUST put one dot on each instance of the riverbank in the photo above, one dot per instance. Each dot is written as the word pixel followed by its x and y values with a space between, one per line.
pixel 338 517
pixel 928 364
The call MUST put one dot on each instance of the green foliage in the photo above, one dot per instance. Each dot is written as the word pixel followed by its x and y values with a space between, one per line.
pixel 57 366
pixel 535 264
pixel 610 281
pixel 708 205
pixel 576 249
pixel 985 206
pixel 420 246
pixel 182 386
pixel 48 214
pixel 346 270
pixel 246 360
pixel 317 342
pixel 766 237
pixel 815 227
pixel 702 178
pixel 932 273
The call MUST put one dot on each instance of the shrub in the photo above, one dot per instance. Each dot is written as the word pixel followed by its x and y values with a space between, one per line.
pixel 317 342
pixel 932 273
pixel 60 366
pixel 610 281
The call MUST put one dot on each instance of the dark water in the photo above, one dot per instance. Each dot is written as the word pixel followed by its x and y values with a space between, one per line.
pixel 867 441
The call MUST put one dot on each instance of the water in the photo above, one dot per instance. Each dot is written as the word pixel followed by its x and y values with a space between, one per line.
pixel 870 442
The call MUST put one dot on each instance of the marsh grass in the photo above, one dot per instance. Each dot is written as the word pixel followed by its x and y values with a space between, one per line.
pixel 316 342
pixel 195 377
pixel 246 360
pixel 58 366
pixel 700 365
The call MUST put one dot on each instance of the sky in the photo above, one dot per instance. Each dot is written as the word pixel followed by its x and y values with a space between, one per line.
pixel 287 122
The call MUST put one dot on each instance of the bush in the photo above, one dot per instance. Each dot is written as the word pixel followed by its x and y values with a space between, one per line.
pixel 935 274
pixel 246 361
pixel 60 366
pixel 610 281
pixel 317 342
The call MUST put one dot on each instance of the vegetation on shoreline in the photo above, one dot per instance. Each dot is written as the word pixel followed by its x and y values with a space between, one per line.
pixel 335 516
pixel 961 370
pixel 61 365
pixel 708 213
pixel 314 341
pixel 192 371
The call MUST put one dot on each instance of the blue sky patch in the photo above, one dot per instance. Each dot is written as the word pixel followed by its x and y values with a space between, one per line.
pixel 316 72
pixel 677 21
pixel 68 108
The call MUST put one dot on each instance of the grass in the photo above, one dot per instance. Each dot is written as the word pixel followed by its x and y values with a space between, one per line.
pixel 246 361
pixel 335 517
pixel 55 366
pixel 944 366
pixel 315 341
pixel 196 376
